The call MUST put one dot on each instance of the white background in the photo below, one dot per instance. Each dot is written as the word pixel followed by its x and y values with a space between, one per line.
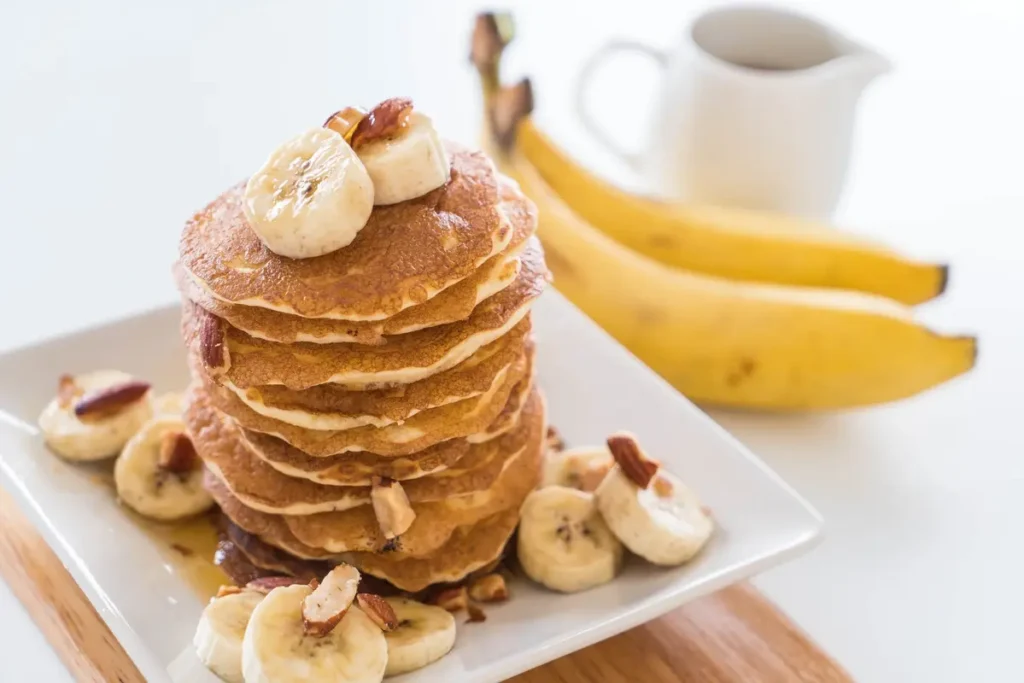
pixel 119 119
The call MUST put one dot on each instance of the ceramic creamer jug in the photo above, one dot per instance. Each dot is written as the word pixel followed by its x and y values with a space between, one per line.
pixel 756 109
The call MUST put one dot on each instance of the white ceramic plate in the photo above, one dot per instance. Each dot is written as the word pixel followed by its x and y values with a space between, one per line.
pixel 593 387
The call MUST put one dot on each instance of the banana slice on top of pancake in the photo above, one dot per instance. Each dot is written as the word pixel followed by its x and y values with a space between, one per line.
pixel 312 196
pixel 652 512
pixel 94 414
pixel 159 474
pixel 402 152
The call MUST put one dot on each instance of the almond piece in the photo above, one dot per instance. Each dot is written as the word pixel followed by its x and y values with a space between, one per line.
pixel 383 121
pixel 227 590
pixel 177 454
pixel 326 605
pixel 344 121
pixel 476 615
pixel 266 584
pixel 553 441
pixel 452 599
pixel 212 343
pixel 490 588
pixel 631 459
pixel 110 401
pixel 379 611
pixel 67 391
pixel 391 506
pixel 663 487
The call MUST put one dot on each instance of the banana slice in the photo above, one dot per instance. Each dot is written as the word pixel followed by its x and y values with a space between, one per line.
pixel 563 542
pixel 94 414
pixel 425 634
pixel 406 164
pixel 577 468
pixel 169 403
pixel 276 648
pixel 218 638
pixel 311 197
pixel 159 474
pixel 663 522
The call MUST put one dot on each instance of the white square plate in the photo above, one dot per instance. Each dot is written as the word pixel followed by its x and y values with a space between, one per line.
pixel 593 387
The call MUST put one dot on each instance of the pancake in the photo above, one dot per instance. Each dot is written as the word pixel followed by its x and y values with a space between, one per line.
pixel 331 406
pixel 261 487
pixel 270 529
pixel 405 255
pixel 357 529
pixel 403 359
pixel 470 548
pixel 267 558
pixel 451 305
pixel 455 420
pixel 357 469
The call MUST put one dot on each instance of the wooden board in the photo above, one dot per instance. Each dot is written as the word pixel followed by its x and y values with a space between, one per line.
pixel 733 636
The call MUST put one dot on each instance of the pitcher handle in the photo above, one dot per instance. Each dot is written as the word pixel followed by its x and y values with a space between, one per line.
pixel 582 87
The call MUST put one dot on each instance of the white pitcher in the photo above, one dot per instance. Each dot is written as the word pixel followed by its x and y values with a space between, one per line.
pixel 756 109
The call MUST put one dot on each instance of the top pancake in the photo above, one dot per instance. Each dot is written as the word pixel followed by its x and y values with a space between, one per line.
pixel 453 304
pixel 405 255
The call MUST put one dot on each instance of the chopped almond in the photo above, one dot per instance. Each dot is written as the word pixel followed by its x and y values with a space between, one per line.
pixel 663 487
pixel 212 342
pixel 391 507
pixel 553 441
pixel 67 391
pixel 345 121
pixel 476 615
pixel 228 590
pixel 384 121
pixel 110 401
pixel 379 611
pixel 634 464
pixel 489 588
pixel 452 599
pixel 327 604
pixel 593 474
pixel 177 454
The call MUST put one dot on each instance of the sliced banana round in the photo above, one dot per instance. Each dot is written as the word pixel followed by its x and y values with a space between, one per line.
pixel 169 403
pixel 94 414
pixel 408 164
pixel 218 638
pixel 563 542
pixel 425 634
pixel 665 523
pixel 577 468
pixel 276 648
pixel 159 475
pixel 311 197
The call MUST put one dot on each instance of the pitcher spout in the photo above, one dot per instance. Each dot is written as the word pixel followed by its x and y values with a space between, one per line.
pixel 861 65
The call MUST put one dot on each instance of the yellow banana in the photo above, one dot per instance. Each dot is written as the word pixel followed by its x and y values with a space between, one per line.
pixel 728 242
pixel 741 344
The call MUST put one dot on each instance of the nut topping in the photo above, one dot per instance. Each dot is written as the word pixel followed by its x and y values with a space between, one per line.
pixel 379 611
pixel 345 121
pixel 553 441
pixel 110 401
pixel 476 615
pixel 227 590
pixel 325 607
pixel 452 599
pixel 67 391
pixel 631 460
pixel 663 487
pixel 266 584
pixel 489 588
pixel 384 121
pixel 592 475
pixel 212 343
pixel 391 506
pixel 177 454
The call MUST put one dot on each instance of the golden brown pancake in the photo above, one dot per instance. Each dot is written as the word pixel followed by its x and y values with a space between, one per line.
pixel 421 431
pixel 405 255
pixel 331 406
pixel 357 529
pixel 261 487
pixel 357 469
pixel 403 359
pixel 469 549
pixel 451 305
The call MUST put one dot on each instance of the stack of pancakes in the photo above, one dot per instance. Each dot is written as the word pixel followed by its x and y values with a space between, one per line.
pixel 406 355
